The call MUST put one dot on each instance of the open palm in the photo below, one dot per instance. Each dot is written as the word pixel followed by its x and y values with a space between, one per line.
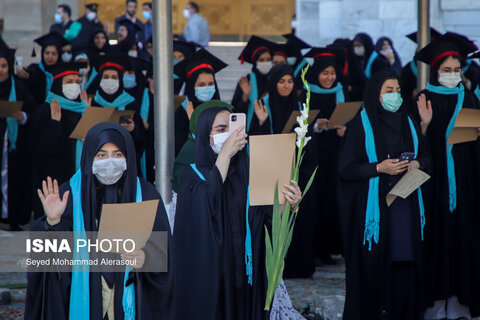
pixel 53 205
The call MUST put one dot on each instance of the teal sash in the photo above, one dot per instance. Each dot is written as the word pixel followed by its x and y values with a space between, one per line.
pixel 368 68
pixel 12 123
pixel 144 113
pixel 338 90
pixel 80 286
pixel 48 78
pixel 120 102
pixel 252 97
pixel 299 68
pixel 413 67
pixel 93 74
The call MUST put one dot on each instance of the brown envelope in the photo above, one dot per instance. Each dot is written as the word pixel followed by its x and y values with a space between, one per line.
pixel 7 108
pixel 292 121
pixel 466 125
pixel 133 220
pixel 271 159
pixel 95 115
pixel 343 113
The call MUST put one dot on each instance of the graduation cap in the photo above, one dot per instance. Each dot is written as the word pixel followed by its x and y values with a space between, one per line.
pixel 119 62
pixel 187 48
pixel 328 56
pixel 449 44
pixel 64 69
pixel 476 55
pixel 255 47
pixel 50 39
pixel 201 59
pixel 132 28
pixel 92 6
pixel 298 43
pixel 434 34
pixel 282 49
pixel 8 54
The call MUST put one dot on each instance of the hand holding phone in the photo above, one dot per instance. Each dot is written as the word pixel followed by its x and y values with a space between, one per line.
pixel 407 156
pixel 237 120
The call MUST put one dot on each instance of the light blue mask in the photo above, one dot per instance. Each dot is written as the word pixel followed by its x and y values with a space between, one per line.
pixel 175 61
pixel 147 15
pixel 204 94
pixel 392 101
pixel 129 81
pixel 58 18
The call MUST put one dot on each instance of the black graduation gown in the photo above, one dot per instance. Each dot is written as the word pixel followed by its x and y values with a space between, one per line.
pixel 369 273
pixel 36 84
pixel 85 34
pixel 138 133
pixel 408 83
pixel 453 239
pixel 19 160
pixel 60 27
pixel 53 149
pixel 209 239
pixel 48 294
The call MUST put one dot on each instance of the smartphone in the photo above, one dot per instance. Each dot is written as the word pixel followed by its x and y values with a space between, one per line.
pixel 407 156
pixel 236 121
pixel 124 119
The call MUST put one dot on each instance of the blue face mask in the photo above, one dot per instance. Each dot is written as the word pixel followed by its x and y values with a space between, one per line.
pixel 129 81
pixel 147 15
pixel 175 61
pixel 392 101
pixel 204 94
pixel 58 18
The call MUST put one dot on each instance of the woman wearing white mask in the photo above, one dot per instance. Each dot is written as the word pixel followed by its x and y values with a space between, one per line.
pixel 254 86
pixel 383 246
pixel 111 93
pixel 383 58
pixel 198 72
pixel 107 175
pixel 219 239
pixel 56 154
pixel 453 240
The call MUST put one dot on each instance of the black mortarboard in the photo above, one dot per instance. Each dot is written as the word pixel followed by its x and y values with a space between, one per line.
pixel 476 55
pixel 446 45
pixel 187 48
pixel 201 59
pixel 298 43
pixel 64 69
pixel 434 34
pixel 328 56
pixel 92 6
pixel 284 50
pixel 133 28
pixel 116 61
pixel 8 54
pixel 52 39
pixel 254 48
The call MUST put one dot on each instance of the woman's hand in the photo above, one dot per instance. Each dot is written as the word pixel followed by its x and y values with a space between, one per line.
pixel 322 124
pixel 52 204
pixel 261 112
pixel 55 110
pixel 129 124
pixel 340 130
pixel 136 255
pixel 19 115
pixel 151 86
pixel 414 164
pixel 234 143
pixel 189 109
pixel 85 98
pixel 425 111
pixel 292 193
pixel 246 87
pixel 22 73
pixel 392 167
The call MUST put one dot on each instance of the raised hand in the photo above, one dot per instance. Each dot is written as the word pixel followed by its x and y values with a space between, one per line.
pixel 246 87
pixel 85 98
pixel 52 204
pixel 55 110
pixel 261 111
pixel 129 124
pixel 234 143
pixel 22 73
pixel 189 109
pixel 425 111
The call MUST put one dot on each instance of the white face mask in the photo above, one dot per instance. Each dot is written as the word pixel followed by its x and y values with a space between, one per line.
pixel 110 86
pixel 264 67
pixel 186 13
pixel 83 71
pixel 109 171
pixel 449 79
pixel 291 60
pixel 91 16
pixel 218 141
pixel 133 53
pixel 71 90
pixel 66 56
pixel 386 52
pixel 359 51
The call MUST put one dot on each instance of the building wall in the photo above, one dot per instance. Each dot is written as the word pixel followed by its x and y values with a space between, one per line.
pixel 322 21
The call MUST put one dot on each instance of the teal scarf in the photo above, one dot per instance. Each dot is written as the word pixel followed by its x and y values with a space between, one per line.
pixel 299 68
pixel 93 74
pixel 477 92
pixel 120 102
pixel 267 105
pixel 452 184
pixel 74 106
pixel 12 123
pixel 248 236
pixel 413 67
pixel 338 90
pixel 372 213
pixel 467 66
pixel 48 78
pixel 368 68
pixel 184 103
pixel 175 77
pixel 80 287
pixel 252 97
pixel 144 113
